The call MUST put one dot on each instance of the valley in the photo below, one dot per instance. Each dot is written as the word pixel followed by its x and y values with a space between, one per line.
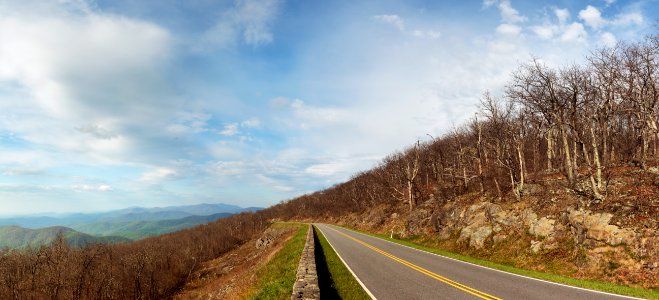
pixel 119 226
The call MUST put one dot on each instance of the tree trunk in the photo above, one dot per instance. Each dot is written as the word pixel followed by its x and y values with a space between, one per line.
pixel 520 157
pixel 568 160
pixel 550 149
pixel 480 157
pixel 410 195
pixel 593 185
pixel 605 144
pixel 514 186
pixel 575 150
pixel 596 159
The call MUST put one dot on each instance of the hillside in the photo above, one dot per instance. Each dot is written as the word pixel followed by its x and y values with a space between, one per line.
pixel 136 230
pixel 15 237
pixel 559 173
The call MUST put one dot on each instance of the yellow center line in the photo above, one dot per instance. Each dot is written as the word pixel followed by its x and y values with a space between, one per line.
pixel 436 276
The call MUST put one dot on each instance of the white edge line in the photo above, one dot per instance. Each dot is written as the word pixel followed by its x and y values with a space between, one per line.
pixel 484 267
pixel 344 263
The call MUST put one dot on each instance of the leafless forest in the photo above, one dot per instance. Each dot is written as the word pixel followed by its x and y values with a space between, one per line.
pixel 147 269
pixel 577 120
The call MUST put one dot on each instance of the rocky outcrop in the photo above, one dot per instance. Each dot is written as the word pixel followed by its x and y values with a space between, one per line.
pixel 541 228
pixel 595 226
pixel 477 226
pixel 306 283
pixel 480 222
pixel 268 238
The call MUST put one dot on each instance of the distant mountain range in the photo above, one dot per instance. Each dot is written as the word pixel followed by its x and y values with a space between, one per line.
pixel 130 214
pixel 16 237
pixel 121 225
pixel 136 230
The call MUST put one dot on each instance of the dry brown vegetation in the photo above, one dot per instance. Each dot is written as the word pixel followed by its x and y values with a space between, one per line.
pixel 581 139
pixel 148 269
pixel 577 126
pixel 231 275
pixel 586 135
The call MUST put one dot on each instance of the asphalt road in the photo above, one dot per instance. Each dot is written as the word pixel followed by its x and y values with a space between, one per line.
pixel 391 271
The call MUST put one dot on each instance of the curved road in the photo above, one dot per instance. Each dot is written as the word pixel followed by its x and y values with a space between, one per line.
pixel 391 271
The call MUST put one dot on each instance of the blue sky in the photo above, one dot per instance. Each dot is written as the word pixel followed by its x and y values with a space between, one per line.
pixel 109 104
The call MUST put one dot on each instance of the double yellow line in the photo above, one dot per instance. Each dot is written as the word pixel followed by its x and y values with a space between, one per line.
pixel 436 276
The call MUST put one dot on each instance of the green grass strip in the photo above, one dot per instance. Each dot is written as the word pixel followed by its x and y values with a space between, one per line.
pixel 588 284
pixel 334 279
pixel 276 278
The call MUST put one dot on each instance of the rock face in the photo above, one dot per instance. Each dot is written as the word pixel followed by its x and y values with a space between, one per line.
pixel 478 227
pixel 543 227
pixel 477 223
pixel 269 236
pixel 595 226
pixel 587 239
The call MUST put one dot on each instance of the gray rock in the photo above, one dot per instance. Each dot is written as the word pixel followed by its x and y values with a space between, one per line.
pixel 543 227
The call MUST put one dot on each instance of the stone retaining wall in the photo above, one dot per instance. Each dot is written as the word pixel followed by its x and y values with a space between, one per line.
pixel 306 283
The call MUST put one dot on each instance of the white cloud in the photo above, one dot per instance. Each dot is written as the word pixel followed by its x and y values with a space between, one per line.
pixel 284 188
pixel 428 34
pixel 279 102
pixel 97 132
pixel 398 22
pixel 230 129
pixel 488 3
pixel 592 16
pixel 629 18
pixel 563 14
pixel 509 30
pixel 189 123
pixel 104 188
pixel 308 116
pixel 82 74
pixel 251 123
pixel 510 14
pixel 393 20
pixel 249 21
pixel 574 32
pixel 159 174
pixel 325 169
pixel 607 39
pixel 91 188
pixel 312 116
pixel 22 172
pixel 544 31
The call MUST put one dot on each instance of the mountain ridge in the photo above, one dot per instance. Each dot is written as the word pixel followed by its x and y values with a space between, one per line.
pixel 16 237
pixel 125 214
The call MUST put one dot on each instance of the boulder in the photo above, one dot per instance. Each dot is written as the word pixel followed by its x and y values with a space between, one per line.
pixel 595 226
pixel 500 237
pixel 536 246
pixel 479 236
pixel 532 189
pixel 448 216
pixel 417 221
pixel 543 227
pixel 528 216
pixel 476 235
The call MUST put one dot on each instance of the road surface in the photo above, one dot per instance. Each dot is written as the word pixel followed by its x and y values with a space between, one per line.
pixel 391 271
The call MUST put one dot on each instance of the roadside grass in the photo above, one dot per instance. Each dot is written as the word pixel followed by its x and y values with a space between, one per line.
pixel 587 284
pixel 334 279
pixel 276 278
